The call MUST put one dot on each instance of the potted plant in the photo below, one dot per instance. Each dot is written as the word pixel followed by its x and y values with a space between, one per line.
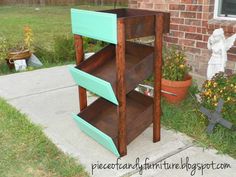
pixel 21 50
pixel 175 77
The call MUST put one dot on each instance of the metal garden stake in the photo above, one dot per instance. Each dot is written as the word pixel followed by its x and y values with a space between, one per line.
pixel 215 117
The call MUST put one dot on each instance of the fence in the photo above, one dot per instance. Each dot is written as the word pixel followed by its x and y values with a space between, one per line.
pixel 102 2
pixel 63 2
pixel 42 2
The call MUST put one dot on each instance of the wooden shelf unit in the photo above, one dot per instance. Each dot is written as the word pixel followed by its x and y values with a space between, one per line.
pixel 121 113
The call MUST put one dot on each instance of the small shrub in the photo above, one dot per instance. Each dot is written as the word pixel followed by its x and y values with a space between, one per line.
pixel 64 49
pixel 174 64
pixel 3 49
pixel 45 55
pixel 221 86
pixel 193 89
pixel 91 45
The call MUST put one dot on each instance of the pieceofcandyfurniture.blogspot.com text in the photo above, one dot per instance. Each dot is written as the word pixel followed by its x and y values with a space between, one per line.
pixel 185 163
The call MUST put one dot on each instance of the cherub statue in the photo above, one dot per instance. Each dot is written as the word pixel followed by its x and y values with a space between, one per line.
pixel 219 46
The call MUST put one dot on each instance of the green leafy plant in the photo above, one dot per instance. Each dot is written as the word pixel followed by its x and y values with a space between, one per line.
pixel 174 67
pixel 221 86
pixel 44 54
pixel 63 49
pixel 3 49
pixel 91 45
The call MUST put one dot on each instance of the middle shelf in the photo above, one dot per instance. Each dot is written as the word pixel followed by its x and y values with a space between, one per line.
pixel 98 73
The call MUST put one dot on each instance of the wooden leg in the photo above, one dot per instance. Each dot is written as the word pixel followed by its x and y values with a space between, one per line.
pixel 82 98
pixel 79 58
pixel 159 22
pixel 121 89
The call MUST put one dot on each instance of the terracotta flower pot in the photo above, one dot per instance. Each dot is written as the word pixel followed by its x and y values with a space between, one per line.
pixel 24 54
pixel 180 88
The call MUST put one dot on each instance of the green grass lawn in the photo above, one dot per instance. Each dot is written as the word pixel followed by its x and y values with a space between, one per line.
pixel 186 118
pixel 46 23
pixel 25 151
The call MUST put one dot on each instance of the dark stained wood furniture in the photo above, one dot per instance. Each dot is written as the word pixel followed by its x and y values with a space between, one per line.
pixel 124 65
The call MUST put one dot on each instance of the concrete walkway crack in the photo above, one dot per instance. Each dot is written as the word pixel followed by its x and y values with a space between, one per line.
pixel 164 157
pixel 38 93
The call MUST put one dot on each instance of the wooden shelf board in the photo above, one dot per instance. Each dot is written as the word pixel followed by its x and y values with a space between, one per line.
pixel 139 65
pixel 103 115
pixel 140 22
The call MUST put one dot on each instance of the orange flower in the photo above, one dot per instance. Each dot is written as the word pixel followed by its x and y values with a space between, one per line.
pixel 28 36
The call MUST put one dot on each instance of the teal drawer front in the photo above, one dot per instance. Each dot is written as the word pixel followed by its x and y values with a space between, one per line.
pixel 96 134
pixel 93 84
pixel 96 25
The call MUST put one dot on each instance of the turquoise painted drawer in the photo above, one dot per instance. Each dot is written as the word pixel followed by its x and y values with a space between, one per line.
pixel 96 134
pixel 93 84
pixel 96 25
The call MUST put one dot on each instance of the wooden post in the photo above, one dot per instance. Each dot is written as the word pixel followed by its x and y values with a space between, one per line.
pixel 121 88
pixel 159 23
pixel 79 58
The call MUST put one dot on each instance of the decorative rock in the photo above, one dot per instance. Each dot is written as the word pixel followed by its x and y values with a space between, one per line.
pixel 34 61
pixel 20 65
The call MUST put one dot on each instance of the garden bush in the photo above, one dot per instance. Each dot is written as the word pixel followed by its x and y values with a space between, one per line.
pixel 221 86
pixel 91 45
pixel 44 54
pixel 63 50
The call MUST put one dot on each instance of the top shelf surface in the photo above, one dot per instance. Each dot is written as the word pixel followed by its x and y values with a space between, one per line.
pixel 128 12
pixel 141 16
pixel 102 25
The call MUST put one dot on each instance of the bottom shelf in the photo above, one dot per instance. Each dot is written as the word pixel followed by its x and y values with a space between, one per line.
pixel 102 116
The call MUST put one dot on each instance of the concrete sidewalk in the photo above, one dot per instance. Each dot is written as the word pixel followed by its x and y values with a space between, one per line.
pixel 49 96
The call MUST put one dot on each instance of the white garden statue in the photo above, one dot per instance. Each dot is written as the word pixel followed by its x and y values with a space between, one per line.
pixel 219 46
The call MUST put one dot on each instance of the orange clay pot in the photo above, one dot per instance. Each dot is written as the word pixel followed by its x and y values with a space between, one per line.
pixel 180 88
